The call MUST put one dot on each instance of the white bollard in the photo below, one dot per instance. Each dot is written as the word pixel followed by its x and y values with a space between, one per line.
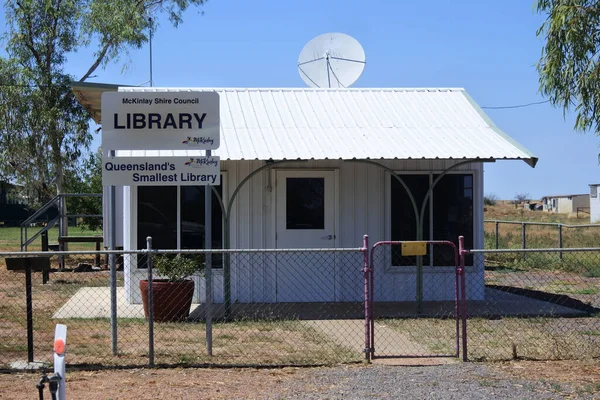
pixel 60 342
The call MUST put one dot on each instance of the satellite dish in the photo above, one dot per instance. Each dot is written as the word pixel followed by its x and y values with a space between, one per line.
pixel 332 60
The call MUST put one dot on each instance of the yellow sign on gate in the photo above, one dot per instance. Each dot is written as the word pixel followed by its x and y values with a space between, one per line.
pixel 414 248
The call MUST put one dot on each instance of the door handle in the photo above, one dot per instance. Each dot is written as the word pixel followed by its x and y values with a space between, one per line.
pixel 328 237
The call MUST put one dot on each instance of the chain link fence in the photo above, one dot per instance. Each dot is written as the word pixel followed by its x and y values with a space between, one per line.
pixel 540 304
pixel 302 307
pixel 269 307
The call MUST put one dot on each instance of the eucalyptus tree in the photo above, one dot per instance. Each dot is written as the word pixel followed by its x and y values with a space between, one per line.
pixel 44 131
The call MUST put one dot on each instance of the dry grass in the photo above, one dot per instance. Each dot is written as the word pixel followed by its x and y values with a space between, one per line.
pixel 509 338
pixel 510 236
pixel 250 342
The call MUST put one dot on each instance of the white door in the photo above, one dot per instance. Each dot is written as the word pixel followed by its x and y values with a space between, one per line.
pixel 306 219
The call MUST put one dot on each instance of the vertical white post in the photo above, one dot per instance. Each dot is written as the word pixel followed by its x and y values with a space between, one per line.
pixel 112 234
pixel 208 272
pixel 60 342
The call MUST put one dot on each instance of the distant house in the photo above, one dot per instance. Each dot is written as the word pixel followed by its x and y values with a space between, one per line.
pixel 9 194
pixel 13 206
pixel 566 204
pixel 594 203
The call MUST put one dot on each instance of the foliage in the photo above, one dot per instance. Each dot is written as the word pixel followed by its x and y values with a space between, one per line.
pixel 87 179
pixel 569 66
pixel 490 199
pixel 176 268
pixel 44 131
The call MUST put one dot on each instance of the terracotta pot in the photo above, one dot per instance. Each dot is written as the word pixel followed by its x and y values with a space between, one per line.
pixel 172 300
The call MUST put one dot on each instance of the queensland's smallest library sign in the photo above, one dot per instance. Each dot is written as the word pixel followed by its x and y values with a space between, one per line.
pixel 161 171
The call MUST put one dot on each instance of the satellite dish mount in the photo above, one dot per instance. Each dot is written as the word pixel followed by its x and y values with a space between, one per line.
pixel 331 60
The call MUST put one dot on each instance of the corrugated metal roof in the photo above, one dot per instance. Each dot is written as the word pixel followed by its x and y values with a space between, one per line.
pixel 307 123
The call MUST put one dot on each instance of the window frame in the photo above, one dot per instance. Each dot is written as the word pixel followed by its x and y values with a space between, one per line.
pixel 427 261
pixel 134 201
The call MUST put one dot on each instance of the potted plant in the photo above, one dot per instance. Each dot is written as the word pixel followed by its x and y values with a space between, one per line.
pixel 172 293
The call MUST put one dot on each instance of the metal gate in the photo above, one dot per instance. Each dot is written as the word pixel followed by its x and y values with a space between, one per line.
pixel 415 300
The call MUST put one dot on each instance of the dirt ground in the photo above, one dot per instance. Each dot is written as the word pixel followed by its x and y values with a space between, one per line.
pixel 249 383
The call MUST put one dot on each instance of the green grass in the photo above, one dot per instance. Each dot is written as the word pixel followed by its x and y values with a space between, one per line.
pixel 10 238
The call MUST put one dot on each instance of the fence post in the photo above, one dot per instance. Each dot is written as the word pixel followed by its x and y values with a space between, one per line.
pixel 463 291
pixel 112 236
pixel 367 297
pixel 497 235
pixel 150 304
pixel 523 239
pixel 560 241
pixel 45 272
pixel 372 300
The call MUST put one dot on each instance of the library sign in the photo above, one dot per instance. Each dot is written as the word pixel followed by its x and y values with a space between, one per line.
pixel 160 121
pixel 161 171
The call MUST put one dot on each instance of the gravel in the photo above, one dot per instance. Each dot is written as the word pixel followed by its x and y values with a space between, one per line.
pixel 457 381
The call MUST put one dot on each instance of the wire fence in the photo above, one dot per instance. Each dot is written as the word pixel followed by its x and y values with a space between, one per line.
pixel 270 307
pixel 538 304
pixel 301 307
pixel 539 235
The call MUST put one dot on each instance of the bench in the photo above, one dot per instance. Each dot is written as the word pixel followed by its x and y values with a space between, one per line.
pixel 62 240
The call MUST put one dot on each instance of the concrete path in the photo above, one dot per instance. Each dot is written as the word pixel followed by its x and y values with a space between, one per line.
pixel 351 334
pixel 94 302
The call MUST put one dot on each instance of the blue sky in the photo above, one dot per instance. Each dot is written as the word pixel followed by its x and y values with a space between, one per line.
pixel 488 48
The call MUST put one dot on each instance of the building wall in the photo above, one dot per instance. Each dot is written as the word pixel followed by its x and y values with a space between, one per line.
pixel 594 204
pixel 363 209
pixel 564 205
pixel 567 205
pixel 580 200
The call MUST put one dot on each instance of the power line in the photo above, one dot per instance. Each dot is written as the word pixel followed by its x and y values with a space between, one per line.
pixel 516 106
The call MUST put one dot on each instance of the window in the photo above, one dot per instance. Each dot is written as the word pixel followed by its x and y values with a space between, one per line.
pixel 453 215
pixel 157 217
pixel 305 203
pixel 192 220
pixel 593 191
pixel 403 221
pixel 452 209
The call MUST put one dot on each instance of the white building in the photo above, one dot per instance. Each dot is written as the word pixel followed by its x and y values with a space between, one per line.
pixel 314 140
pixel 594 203
pixel 566 204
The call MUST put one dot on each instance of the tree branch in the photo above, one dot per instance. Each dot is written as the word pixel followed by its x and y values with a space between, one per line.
pixel 97 62
pixel 29 43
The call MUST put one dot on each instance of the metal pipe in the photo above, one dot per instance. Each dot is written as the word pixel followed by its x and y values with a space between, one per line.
pixel 462 252
pixel 497 233
pixel 112 242
pixel 551 250
pixel 560 241
pixel 29 305
pixel 372 300
pixel 523 239
pixel 150 304
pixel 208 272
pixel 543 223
pixel 366 287
pixel 457 311
pixel 182 251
